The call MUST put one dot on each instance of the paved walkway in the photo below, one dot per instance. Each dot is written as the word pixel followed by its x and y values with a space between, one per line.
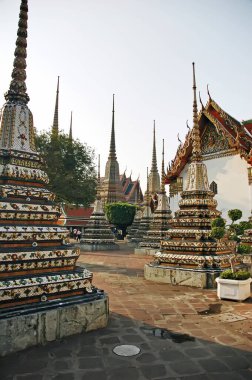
pixel 183 333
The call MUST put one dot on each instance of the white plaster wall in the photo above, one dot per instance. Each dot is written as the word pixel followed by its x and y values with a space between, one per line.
pixel 230 174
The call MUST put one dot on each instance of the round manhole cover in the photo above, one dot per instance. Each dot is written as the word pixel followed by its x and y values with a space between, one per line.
pixel 126 350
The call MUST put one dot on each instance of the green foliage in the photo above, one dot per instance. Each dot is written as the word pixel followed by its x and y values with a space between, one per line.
pixel 244 249
pixel 70 168
pixel 217 232
pixel 218 222
pixel 245 225
pixel 239 275
pixel 120 214
pixel 234 214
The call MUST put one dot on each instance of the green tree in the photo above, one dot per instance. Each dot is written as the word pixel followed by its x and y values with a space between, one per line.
pixel 70 168
pixel 120 214
pixel 217 232
pixel 218 222
pixel 234 214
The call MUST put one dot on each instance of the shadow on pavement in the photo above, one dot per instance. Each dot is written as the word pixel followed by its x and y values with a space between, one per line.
pixel 164 354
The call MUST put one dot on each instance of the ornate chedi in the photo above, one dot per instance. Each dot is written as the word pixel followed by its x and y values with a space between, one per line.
pixel 38 269
pixel 161 221
pixel 135 225
pixel 154 178
pixel 145 221
pixel 111 188
pixel 189 256
pixel 98 235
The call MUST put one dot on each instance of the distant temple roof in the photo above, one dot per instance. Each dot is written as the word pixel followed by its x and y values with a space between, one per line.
pixel 229 135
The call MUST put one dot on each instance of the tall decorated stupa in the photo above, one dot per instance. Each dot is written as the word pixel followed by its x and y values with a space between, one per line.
pixel 145 220
pixel 43 294
pixel 188 255
pixel 111 187
pixel 98 235
pixel 161 221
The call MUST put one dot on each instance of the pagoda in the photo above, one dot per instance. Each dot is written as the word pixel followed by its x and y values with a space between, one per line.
pixel 111 188
pixel 131 231
pixel 188 255
pixel 98 235
pixel 161 221
pixel 39 279
pixel 146 219
pixel 154 178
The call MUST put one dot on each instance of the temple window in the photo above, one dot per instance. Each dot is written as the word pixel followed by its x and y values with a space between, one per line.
pixel 213 187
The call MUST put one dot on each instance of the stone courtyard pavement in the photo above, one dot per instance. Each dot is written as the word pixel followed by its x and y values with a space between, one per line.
pixel 182 332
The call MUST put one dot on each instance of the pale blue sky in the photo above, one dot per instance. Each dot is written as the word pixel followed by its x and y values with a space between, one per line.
pixel 142 51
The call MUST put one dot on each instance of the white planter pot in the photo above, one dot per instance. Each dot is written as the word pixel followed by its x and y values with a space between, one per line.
pixel 237 290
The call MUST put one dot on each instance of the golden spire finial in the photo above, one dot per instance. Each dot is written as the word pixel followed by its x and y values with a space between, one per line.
pixel 196 149
pixel 17 89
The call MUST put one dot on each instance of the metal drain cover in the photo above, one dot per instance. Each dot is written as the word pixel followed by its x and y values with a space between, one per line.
pixel 126 350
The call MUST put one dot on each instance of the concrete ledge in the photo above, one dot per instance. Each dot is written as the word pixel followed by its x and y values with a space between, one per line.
pixel 180 276
pixel 146 251
pixel 99 247
pixel 23 331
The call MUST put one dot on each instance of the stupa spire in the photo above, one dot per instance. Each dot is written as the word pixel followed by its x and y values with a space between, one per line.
pixel 55 127
pixel 17 88
pixel 154 153
pixel 98 195
pixel 196 148
pixel 162 172
pixel 197 178
pixel 71 127
pixel 154 179
pixel 112 149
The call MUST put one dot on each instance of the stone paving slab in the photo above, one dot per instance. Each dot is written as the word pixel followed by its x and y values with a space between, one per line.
pixel 182 332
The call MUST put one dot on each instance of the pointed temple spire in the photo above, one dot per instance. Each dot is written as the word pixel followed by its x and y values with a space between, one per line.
pixel 196 150
pixel 154 179
pixel 55 127
pixel 17 89
pixel 98 195
pixel 71 127
pixel 112 150
pixel 162 173
pixel 154 154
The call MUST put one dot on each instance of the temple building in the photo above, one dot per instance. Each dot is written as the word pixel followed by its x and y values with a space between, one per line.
pixel 189 255
pixel 116 187
pixel 226 144
pixel 43 294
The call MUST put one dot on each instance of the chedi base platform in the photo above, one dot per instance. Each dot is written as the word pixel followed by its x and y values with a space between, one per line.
pixel 180 276
pixel 45 322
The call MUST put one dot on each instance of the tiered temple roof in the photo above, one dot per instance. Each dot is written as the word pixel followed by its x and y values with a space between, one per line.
pixel 220 135
pixel 36 263
pixel 189 245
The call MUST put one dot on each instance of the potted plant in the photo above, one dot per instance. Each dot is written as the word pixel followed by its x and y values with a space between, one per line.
pixel 234 285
